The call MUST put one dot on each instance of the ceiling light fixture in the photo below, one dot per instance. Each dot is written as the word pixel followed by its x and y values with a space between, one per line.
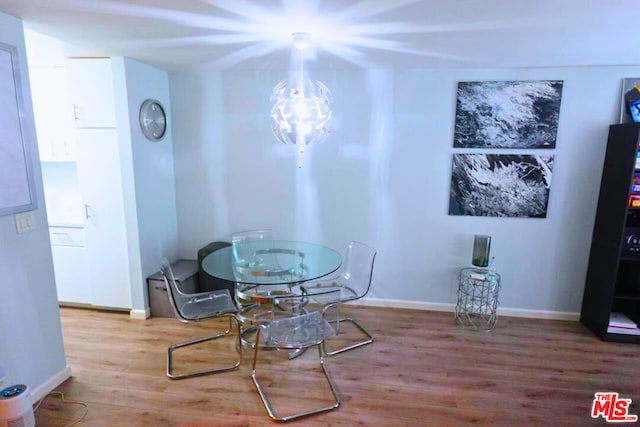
pixel 300 108
pixel 301 41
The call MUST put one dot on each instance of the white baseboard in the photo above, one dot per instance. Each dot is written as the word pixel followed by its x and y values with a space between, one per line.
pixel 49 385
pixel 539 314
pixel 140 314
pixel 448 307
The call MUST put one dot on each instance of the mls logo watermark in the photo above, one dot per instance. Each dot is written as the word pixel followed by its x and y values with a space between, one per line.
pixel 612 408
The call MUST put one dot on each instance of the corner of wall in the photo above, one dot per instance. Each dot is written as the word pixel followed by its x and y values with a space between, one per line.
pixel 32 346
pixel 121 97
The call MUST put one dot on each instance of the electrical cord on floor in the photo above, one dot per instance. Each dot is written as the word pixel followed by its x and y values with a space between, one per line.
pixel 72 402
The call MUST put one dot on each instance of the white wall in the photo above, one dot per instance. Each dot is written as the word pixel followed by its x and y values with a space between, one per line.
pixel 383 177
pixel 150 197
pixel 31 349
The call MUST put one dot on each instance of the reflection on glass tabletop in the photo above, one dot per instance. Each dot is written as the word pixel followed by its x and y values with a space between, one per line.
pixel 272 262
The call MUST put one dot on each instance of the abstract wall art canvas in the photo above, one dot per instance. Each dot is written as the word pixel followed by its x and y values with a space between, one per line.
pixel 500 185
pixel 507 114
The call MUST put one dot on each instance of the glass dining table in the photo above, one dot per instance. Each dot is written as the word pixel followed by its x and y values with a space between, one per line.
pixel 265 269
pixel 272 262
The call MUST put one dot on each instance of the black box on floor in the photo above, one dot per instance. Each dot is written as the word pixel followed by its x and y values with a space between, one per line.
pixel 208 282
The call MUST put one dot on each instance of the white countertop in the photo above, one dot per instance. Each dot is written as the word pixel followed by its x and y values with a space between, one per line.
pixel 66 222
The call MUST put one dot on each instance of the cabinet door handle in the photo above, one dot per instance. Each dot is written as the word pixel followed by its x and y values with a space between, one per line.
pixel 87 215
pixel 75 112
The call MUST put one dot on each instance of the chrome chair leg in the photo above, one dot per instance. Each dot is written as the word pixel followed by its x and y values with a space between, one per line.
pixel 369 339
pixel 226 332
pixel 271 410
pixel 297 353
pixel 174 347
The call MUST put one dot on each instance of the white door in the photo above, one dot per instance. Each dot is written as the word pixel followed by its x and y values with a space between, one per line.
pixel 100 186
pixel 91 87
pixel 72 281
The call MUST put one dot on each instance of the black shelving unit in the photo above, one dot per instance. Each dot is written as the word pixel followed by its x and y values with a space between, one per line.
pixel 613 276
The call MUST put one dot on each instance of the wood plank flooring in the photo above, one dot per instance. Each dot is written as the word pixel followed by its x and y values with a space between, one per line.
pixel 421 370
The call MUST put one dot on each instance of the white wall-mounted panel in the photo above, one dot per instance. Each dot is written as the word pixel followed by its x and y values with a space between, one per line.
pixel 16 183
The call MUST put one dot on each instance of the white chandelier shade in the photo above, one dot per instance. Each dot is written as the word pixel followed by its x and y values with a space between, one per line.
pixel 300 109
pixel 297 114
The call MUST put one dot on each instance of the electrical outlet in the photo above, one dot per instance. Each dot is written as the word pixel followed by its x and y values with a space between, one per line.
pixel 25 221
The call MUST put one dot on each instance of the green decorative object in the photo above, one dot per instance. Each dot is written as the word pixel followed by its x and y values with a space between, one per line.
pixel 481 250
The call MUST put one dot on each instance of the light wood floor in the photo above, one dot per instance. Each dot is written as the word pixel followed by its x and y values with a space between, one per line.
pixel 422 370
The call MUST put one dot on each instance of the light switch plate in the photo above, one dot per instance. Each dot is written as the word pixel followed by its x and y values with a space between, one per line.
pixel 25 221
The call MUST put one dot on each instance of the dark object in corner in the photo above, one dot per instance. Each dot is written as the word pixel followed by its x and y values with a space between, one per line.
pixel 614 267
pixel 206 281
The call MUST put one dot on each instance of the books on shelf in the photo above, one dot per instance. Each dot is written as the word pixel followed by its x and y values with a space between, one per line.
pixel 624 331
pixel 619 320
pixel 621 324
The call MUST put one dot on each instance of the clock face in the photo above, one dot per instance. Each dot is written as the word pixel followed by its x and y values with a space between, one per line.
pixel 153 120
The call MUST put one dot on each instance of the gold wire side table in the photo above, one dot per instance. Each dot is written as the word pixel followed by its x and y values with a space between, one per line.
pixel 478 291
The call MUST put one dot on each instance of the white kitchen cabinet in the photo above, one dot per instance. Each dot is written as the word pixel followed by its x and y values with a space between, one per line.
pixel 100 184
pixel 76 120
pixel 92 93
pixel 52 112
pixel 70 265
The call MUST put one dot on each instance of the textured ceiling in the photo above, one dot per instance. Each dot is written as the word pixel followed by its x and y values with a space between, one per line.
pixel 243 34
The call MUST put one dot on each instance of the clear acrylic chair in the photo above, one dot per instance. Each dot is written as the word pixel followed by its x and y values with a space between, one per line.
pixel 353 283
pixel 190 308
pixel 295 323
pixel 252 253
pixel 242 253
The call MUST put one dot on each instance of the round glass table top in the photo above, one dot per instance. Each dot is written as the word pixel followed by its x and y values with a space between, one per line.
pixel 272 262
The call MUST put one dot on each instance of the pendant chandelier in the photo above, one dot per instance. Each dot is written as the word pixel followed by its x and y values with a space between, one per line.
pixel 300 108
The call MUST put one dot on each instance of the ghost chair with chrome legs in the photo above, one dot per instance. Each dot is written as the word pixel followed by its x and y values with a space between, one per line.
pixel 245 259
pixel 353 283
pixel 242 252
pixel 294 323
pixel 255 256
pixel 190 308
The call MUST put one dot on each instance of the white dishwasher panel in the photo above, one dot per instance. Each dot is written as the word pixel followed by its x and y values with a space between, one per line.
pixel 66 236
pixel 72 278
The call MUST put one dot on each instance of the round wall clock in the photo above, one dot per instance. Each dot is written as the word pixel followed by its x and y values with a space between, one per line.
pixel 153 120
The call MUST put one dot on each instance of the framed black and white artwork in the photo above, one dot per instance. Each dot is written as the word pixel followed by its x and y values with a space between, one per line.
pixel 500 185
pixel 507 114
pixel 17 191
